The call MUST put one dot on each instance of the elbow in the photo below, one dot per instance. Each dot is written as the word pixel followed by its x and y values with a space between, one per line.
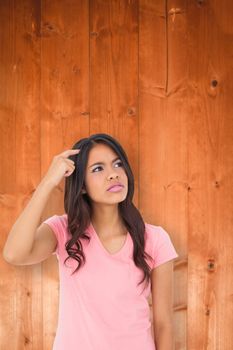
pixel 7 257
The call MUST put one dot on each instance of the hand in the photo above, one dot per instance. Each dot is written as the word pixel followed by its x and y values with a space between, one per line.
pixel 61 166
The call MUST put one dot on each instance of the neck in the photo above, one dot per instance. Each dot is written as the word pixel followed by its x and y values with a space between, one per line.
pixel 106 219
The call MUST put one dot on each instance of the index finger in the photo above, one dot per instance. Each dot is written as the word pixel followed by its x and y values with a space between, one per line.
pixel 69 152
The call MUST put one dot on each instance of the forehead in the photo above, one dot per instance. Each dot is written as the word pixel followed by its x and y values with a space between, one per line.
pixel 100 152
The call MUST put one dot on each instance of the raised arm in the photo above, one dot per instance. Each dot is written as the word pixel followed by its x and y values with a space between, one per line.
pixel 24 234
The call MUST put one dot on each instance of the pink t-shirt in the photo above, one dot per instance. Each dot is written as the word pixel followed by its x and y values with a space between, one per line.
pixel 100 306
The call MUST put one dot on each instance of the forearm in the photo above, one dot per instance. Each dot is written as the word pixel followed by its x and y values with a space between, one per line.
pixel 164 338
pixel 21 236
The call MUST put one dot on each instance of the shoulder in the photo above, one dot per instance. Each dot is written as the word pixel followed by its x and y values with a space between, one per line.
pixel 153 233
pixel 59 218
pixel 158 244
pixel 63 219
pixel 57 222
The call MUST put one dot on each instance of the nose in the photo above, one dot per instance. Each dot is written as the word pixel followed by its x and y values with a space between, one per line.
pixel 112 176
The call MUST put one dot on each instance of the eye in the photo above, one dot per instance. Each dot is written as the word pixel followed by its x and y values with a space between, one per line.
pixel 94 170
pixel 119 163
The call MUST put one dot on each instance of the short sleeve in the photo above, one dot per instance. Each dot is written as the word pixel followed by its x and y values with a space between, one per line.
pixel 164 249
pixel 55 223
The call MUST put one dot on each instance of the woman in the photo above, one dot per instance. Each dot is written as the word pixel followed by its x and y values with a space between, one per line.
pixel 108 257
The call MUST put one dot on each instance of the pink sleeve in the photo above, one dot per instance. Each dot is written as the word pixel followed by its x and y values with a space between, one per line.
pixel 55 223
pixel 164 249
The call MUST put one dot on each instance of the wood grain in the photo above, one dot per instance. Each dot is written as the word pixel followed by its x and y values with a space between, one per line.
pixel 157 75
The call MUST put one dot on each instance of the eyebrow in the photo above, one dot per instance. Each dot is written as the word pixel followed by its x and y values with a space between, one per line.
pixel 102 163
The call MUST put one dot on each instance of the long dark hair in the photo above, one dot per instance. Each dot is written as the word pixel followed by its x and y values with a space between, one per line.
pixel 79 209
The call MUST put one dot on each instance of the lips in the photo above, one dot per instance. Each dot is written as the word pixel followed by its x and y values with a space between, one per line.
pixel 116 184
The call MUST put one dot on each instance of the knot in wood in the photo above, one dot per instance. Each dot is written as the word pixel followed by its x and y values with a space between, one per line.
pixel 211 265
pixel 26 340
pixel 131 111
pixel 214 83
pixel 94 33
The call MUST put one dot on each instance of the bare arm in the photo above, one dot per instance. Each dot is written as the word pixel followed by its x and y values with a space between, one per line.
pixel 20 242
pixel 21 236
pixel 162 304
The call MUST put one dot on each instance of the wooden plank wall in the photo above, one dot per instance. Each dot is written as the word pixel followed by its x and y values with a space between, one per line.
pixel 210 166
pixel 157 75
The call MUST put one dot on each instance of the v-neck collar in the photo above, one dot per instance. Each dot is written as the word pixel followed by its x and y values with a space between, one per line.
pixel 119 252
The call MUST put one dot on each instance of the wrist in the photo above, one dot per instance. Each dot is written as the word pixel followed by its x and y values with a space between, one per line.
pixel 46 183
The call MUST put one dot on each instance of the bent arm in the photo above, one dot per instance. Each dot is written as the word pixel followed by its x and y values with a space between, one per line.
pixel 20 239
